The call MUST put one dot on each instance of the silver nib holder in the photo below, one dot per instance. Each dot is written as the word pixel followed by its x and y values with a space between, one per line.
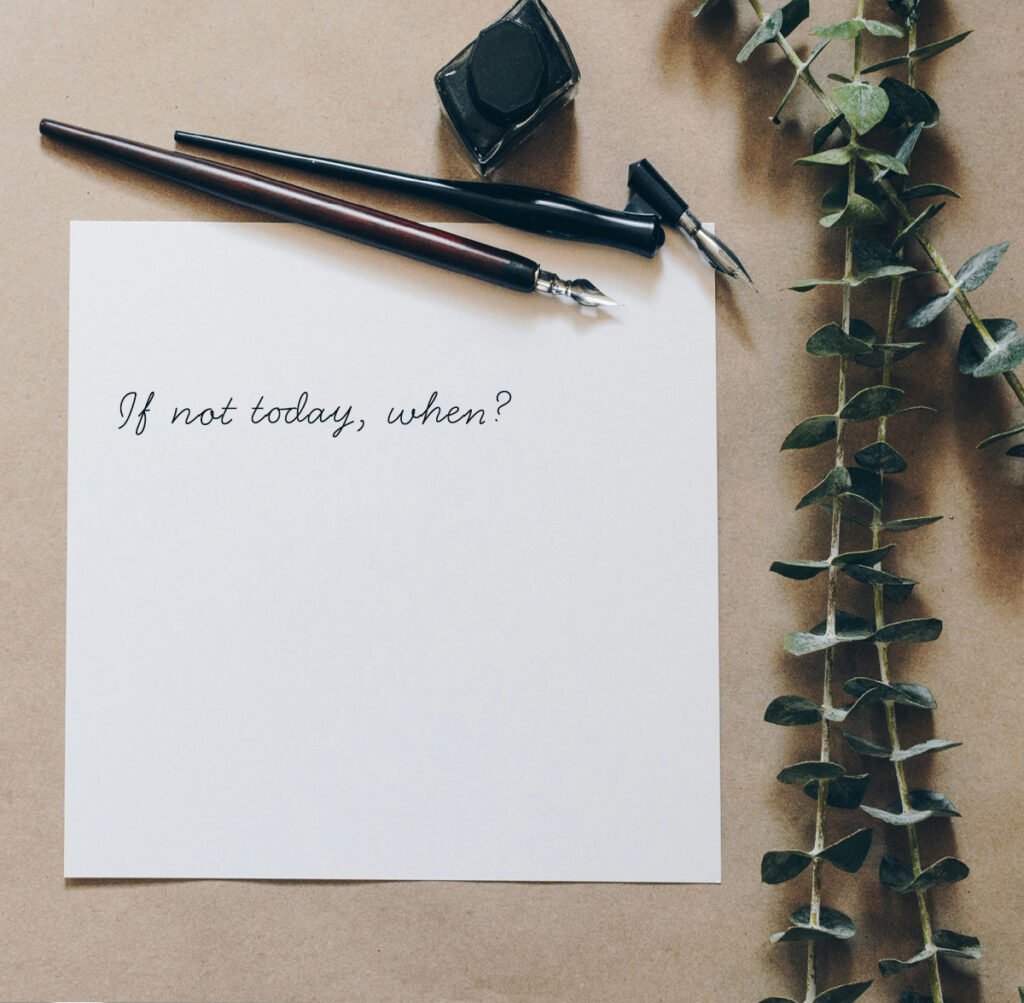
pixel 582 291
pixel 653 192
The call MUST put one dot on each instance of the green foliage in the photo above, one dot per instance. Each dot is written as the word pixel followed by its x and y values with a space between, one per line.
pixel 975 358
pixel 956 945
pixel 869 192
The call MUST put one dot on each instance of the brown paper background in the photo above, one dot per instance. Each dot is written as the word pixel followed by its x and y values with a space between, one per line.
pixel 354 80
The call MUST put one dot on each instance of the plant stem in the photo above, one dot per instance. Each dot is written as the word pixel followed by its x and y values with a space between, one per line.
pixel 884 676
pixel 883 649
pixel 892 195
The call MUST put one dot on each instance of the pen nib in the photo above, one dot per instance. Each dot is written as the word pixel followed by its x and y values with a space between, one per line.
pixel 583 291
pixel 718 255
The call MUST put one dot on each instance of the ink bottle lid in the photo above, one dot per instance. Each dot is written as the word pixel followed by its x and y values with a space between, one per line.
pixel 507 81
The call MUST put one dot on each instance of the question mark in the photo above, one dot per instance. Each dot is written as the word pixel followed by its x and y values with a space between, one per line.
pixel 501 403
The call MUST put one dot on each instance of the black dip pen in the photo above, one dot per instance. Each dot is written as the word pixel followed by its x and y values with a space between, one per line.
pixel 534 209
pixel 656 193
pixel 303 205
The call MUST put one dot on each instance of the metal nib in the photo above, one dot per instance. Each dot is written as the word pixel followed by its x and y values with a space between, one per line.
pixel 714 251
pixel 582 291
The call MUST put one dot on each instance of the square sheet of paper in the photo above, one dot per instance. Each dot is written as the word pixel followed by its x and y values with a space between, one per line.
pixel 307 641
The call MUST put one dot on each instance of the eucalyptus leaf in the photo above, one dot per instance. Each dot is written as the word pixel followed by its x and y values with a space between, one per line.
pixel 867 557
pixel 894 350
pixel 703 6
pixel 840 78
pixel 790 711
pixel 923 748
pixel 869 255
pixel 897 818
pixel 849 852
pixel 908 143
pixel 778 866
pixel 863 104
pixel 883 29
pixel 886 63
pixel 831 924
pixel 934 802
pixel 1016 430
pixel 841 29
pixel 799 571
pixel 835 198
pixel 975 271
pixel 1017 450
pixel 835 157
pixel 872 403
pixel 857 212
pixel 907 106
pixel 831 340
pixel 927 51
pixel 881 457
pixel 867 747
pixel 894 874
pixel 946 871
pixel 885 272
pixel 892 966
pixel 806 285
pixel 766 32
pixel 865 486
pixel 881 159
pixel 906 694
pixel 958 944
pixel 924 313
pixel 921 805
pixel 907 9
pixel 822 135
pixel 845 793
pixel 915 408
pixel 815 769
pixel 837 482
pixel 894 588
pixel 909 524
pixel 974 357
pixel 926 191
pixel 794 13
pixel 849 628
pixel 843 994
pixel 811 432
pixel 854 27
pixel 903 237
pixel 909 631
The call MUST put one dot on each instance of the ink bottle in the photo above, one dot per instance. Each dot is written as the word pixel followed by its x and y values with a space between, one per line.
pixel 509 79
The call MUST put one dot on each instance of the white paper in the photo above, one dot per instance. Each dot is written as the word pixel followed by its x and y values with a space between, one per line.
pixel 441 650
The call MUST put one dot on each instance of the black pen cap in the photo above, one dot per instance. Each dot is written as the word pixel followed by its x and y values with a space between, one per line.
pixel 656 192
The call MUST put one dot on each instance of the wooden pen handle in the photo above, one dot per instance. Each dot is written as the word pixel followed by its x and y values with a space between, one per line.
pixel 302 205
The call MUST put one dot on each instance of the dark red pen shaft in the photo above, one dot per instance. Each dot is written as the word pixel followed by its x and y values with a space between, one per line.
pixel 302 205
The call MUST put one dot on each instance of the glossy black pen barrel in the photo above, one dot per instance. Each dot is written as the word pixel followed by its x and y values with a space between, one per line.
pixel 524 208
pixel 302 205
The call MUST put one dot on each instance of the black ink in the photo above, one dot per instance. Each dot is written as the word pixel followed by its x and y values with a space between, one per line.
pixel 207 416
pixel 140 422
pixel 453 416
pixel 502 403
pixel 298 413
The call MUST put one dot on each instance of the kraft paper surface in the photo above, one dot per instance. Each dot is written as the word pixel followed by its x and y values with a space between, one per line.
pixel 355 81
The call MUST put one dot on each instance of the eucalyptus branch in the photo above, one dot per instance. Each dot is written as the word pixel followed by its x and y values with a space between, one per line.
pixel 910 808
pixel 987 347
pixel 873 178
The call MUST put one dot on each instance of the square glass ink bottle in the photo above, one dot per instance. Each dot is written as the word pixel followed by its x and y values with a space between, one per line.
pixel 507 80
